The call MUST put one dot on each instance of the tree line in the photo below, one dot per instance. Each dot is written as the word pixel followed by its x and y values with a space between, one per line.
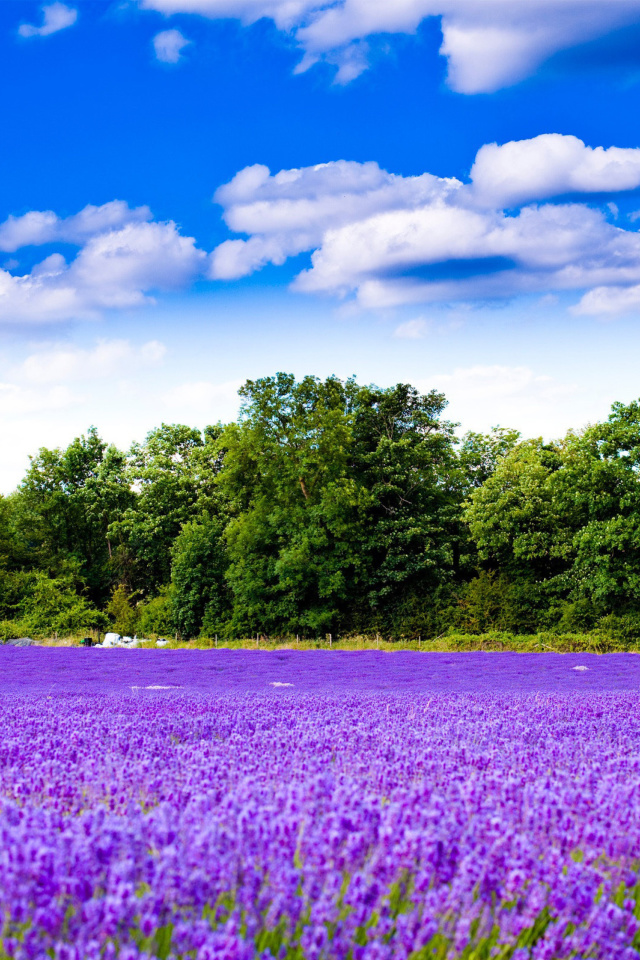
pixel 328 507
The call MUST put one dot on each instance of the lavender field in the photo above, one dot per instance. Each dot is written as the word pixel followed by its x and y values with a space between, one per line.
pixel 215 804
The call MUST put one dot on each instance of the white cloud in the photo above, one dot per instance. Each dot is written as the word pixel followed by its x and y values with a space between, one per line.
pixel 482 396
pixel 56 16
pixel 411 329
pixel 290 212
pixel 488 44
pixel 285 13
pixel 489 381
pixel 442 252
pixel 612 300
pixel 116 268
pixel 549 165
pixel 122 261
pixel 390 239
pixel 108 358
pixel 168 45
pixel 44 226
pixel 17 400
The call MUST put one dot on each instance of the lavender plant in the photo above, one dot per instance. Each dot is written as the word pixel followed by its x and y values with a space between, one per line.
pixel 152 817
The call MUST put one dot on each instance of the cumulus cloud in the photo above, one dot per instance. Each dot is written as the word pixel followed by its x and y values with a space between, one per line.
pixel 550 165
pixel 123 258
pixel 442 252
pixel 488 44
pixel 168 45
pixel 44 226
pixel 290 212
pixel 55 16
pixel 602 301
pixel 391 239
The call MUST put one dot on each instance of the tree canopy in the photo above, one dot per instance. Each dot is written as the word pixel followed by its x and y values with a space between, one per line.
pixel 328 507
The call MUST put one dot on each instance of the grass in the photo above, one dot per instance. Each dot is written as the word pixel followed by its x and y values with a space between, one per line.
pixel 594 642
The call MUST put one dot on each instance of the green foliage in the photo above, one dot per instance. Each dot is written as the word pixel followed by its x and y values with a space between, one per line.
pixel 482 603
pixel 563 521
pixel 330 508
pixel 63 508
pixel 338 509
pixel 200 596
pixel 123 614
pixel 173 473
pixel 54 605
pixel 155 616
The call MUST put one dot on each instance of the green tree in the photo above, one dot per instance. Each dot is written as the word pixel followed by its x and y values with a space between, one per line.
pixel 64 506
pixel 338 500
pixel 515 519
pixel 295 509
pixel 480 453
pixel 173 473
pixel 562 521
pixel 200 594
pixel 54 605
pixel 404 458
pixel 123 613
pixel 598 492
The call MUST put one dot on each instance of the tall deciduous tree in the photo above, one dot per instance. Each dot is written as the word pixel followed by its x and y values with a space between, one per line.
pixel 339 502
pixel 65 505
pixel 172 473
pixel 566 517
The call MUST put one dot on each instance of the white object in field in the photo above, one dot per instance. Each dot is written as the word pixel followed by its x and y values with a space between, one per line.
pixel 111 640
pixel 161 643
pixel 580 668
pixel 276 683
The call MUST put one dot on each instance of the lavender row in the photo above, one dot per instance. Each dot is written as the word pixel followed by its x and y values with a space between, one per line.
pixel 54 671
pixel 366 826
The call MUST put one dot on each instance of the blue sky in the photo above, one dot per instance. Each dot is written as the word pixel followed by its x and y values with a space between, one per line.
pixel 194 192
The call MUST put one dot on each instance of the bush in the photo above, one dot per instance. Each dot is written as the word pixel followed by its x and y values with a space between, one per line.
pixel 124 615
pixel 55 606
pixel 155 616
pixel 10 629
pixel 624 629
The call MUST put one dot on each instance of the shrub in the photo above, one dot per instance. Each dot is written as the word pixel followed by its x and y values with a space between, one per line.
pixel 124 615
pixel 155 616
pixel 53 605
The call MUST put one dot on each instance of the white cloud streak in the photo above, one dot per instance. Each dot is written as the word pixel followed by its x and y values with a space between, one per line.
pixel 488 44
pixel 486 395
pixel 411 329
pixel 55 17
pixel 202 396
pixel 107 359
